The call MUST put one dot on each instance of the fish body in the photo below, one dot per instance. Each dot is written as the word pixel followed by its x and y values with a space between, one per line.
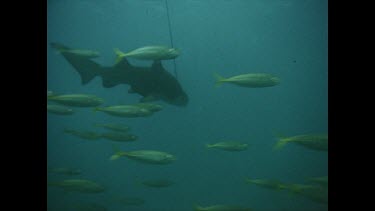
pixel 147 156
pixel 78 52
pixel 149 53
pixel 266 183
pixel 130 201
pixel 78 185
pixel 311 141
pixel 149 106
pixel 59 109
pixel 83 134
pixel 322 181
pixel 129 111
pixel 88 207
pixel 252 80
pixel 114 127
pixel 78 100
pixel 221 208
pixel 157 183
pixel 317 194
pixel 65 171
pixel 228 146
pixel 118 136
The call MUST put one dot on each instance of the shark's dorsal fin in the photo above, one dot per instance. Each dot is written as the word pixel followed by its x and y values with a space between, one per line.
pixel 123 63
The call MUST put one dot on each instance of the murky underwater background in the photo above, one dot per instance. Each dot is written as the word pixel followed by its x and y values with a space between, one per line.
pixel 287 38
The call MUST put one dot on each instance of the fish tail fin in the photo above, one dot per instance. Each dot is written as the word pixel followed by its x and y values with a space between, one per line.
pixel 68 130
pixel 249 181
pixel 219 79
pixel 52 183
pixel 119 55
pixel 209 145
pixel 96 109
pixel 50 94
pixel 280 144
pixel 294 189
pixel 59 47
pixel 115 157
pixel 117 154
pixel 282 141
pixel 138 181
pixel 196 207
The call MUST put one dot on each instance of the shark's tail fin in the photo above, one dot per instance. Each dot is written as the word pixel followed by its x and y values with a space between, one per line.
pixel 86 68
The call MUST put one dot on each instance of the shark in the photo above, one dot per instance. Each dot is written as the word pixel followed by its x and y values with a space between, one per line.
pixel 152 83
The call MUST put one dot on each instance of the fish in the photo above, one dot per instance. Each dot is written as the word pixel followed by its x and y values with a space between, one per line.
pixel 114 127
pixel 152 83
pixel 50 93
pixel 220 207
pixel 85 206
pixel 251 80
pixel 59 109
pixel 317 142
pixel 228 146
pixel 149 53
pixel 65 171
pixel 322 181
pixel 129 111
pixel 130 201
pixel 78 185
pixel 83 134
pixel 149 106
pixel 317 194
pixel 266 183
pixel 77 100
pixel 119 136
pixel 78 52
pixel 156 183
pixel 145 156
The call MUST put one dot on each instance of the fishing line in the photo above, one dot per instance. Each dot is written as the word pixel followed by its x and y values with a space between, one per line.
pixel 170 36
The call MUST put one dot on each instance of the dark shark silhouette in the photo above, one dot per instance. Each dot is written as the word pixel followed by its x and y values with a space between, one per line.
pixel 153 83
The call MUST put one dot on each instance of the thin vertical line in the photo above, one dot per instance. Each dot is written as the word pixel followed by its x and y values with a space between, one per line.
pixel 170 36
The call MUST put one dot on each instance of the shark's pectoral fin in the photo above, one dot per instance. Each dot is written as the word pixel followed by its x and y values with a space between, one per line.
pixel 108 83
pixel 149 98
pixel 156 66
